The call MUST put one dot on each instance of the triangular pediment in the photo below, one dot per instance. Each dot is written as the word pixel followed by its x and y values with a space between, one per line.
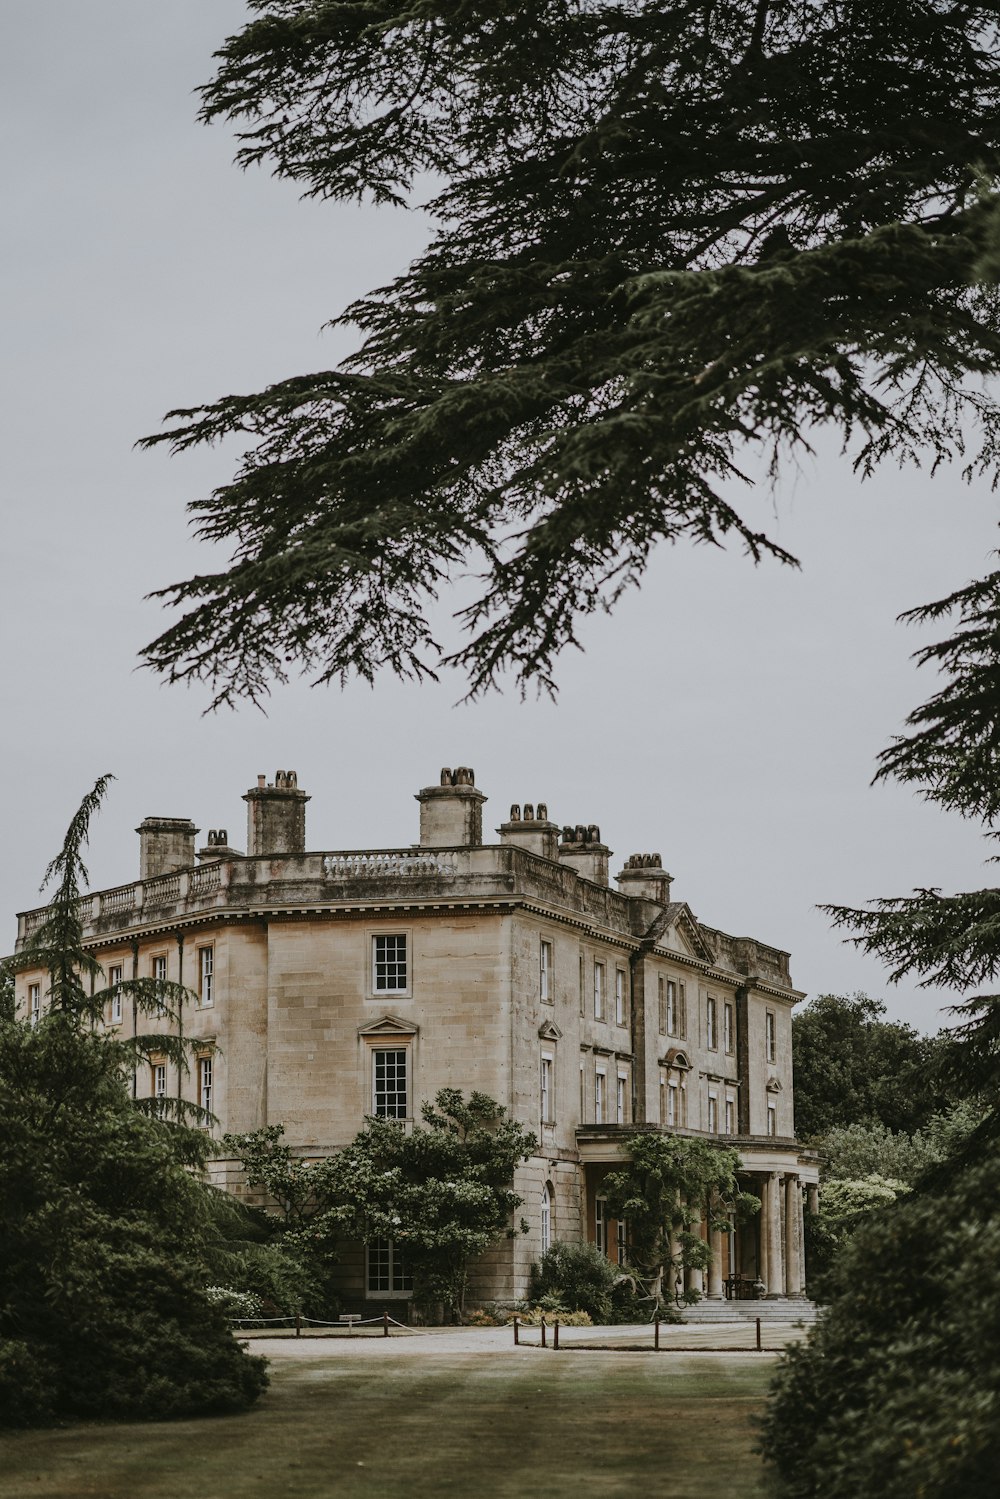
pixel 388 1025
pixel 549 1031
pixel 682 933
pixel 773 1085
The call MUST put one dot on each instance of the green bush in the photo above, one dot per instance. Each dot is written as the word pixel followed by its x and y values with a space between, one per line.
pixel 579 1277
pixel 896 1392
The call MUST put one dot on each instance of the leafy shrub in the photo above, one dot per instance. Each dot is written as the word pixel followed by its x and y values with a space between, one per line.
pixel 579 1277
pixel 896 1391
pixel 532 1316
pixel 241 1306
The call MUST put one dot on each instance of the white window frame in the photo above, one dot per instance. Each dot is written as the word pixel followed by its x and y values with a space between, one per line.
pixel 728 1028
pixel 390 966
pixel 713 1113
pixel 730 1116
pixel 158 971
pixel 545 1218
pixel 545 986
pixel 381 1093
pixel 772 1119
pixel 600 988
pixel 619 996
pixel 671 1007
pixel 34 1003
pixel 400 1287
pixel 206 977
pixel 600 1093
pixel 601 1225
pixel 115 972
pixel 770 1036
pixel 547 1088
pixel 621 1098
pixel 159 1079
pixel 711 1023
pixel 206 1083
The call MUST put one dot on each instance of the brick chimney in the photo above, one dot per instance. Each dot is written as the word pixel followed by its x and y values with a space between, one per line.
pixel 276 816
pixel 529 827
pixel 645 875
pixel 451 814
pixel 165 844
pixel 581 848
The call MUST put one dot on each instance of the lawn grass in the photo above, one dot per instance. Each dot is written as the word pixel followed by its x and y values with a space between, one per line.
pixel 466 1424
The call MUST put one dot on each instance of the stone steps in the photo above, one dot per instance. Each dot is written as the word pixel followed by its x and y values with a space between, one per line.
pixel 796 1310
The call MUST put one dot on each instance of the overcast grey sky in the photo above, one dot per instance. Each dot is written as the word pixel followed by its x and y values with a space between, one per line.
pixel 726 716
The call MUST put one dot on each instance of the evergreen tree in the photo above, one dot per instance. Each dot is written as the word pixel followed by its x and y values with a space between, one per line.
pixel 105 1227
pixel 669 235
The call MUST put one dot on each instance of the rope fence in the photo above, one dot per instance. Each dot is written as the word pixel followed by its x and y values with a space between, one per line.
pixel 345 1325
pixel 667 1337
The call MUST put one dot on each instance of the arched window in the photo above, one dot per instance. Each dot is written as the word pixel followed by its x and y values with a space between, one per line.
pixel 546 1217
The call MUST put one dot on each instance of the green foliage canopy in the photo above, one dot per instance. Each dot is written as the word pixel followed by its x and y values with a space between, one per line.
pixel 443 1192
pixel 669 1185
pixel 897 1391
pixel 854 1067
pixel 667 234
pixel 106 1229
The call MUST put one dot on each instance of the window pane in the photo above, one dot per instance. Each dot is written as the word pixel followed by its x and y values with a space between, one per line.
pixel 389 1083
pixel 389 965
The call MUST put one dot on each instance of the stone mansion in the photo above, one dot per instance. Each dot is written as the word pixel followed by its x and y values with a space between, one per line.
pixel 332 985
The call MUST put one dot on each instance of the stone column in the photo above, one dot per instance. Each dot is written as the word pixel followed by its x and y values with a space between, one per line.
pixel 715 1268
pixel 802 1242
pixel 813 1192
pixel 775 1281
pixel 694 1279
pixel 793 1201
pixel 763 1267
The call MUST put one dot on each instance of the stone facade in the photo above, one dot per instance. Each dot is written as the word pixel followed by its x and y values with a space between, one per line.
pixel 331 985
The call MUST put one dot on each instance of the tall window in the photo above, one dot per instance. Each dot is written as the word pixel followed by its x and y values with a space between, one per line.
pixel 114 979
pixel 771 1036
pixel 730 1116
pixel 671 1008
pixel 600 1081
pixel 389 964
pixel 661 997
pixel 728 1030
pixel 159 1080
pixel 205 1083
pixel 547 1113
pixel 546 1217
pixel 545 971
pixel 34 1003
pixel 583 1093
pixel 206 975
pixel 160 968
pixel 713 1113
pixel 621 1099
pixel 622 1242
pixel 772 1118
pixel 389 1099
pixel 601 1224
pixel 711 1024
pixel 599 991
pixel 619 996
pixel 387 1272
pixel 673 1111
pixel 583 984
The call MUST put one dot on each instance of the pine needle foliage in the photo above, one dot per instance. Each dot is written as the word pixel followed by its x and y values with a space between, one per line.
pixel 670 238
pixel 107 1232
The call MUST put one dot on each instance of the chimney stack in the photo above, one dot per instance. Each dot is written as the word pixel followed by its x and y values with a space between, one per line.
pixel 644 875
pixel 451 814
pixel 276 816
pixel 217 847
pixel 529 827
pixel 582 849
pixel 165 844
